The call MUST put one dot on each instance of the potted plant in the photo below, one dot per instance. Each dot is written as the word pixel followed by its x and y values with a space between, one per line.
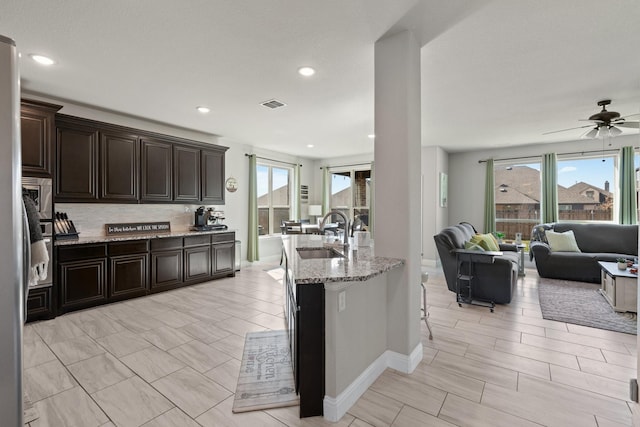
pixel 622 264
pixel 499 235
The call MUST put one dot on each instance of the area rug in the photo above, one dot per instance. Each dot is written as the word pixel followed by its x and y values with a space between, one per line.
pixel 266 377
pixel 582 303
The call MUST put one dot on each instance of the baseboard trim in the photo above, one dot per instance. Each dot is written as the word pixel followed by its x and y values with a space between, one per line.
pixel 334 408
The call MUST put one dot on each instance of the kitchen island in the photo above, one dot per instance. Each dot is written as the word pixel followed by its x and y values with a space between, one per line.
pixel 336 315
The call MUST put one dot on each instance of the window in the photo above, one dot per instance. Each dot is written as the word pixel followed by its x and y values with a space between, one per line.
pixel 517 198
pixel 351 194
pixel 274 197
pixel 586 190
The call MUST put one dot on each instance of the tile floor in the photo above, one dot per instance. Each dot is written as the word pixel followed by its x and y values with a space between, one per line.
pixel 172 359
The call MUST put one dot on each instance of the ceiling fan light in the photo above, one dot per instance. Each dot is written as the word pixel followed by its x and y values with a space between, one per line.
pixel 614 131
pixel 591 134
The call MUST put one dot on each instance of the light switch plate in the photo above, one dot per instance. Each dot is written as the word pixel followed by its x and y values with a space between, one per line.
pixel 342 301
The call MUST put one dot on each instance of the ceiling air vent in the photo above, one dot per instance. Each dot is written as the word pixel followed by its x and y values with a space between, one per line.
pixel 273 104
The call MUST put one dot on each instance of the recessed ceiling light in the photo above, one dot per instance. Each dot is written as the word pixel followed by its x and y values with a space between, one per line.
pixel 203 110
pixel 371 136
pixel 306 71
pixel 310 145
pixel 40 59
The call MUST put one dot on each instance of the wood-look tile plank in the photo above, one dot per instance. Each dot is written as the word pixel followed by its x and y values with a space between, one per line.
pixel 166 337
pixel 221 415
pixel 151 363
pixel 587 340
pixel 76 349
pixel 509 361
pixel 461 412
pixel 536 353
pixel 463 336
pixel 99 372
pixel 563 346
pixel 407 390
pixel 376 409
pixel 576 398
pixel 586 381
pixel 290 416
pixel 511 325
pixel 46 380
pixel 607 370
pixel 411 417
pixel 449 381
pixel 602 333
pixel 205 332
pixel 483 329
pixel 226 374
pixel 475 369
pixel 71 408
pixel 199 356
pixel 172 418
pixel 450 346
pixel 620 359
pixel 540 409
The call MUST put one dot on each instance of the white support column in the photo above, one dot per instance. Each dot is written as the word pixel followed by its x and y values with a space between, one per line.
pixel 397 186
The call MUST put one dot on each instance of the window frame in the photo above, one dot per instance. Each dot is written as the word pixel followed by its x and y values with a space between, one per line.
pixel 351 207
pixel 274 229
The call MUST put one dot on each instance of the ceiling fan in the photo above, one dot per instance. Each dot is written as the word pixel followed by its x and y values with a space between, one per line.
pixel 604 123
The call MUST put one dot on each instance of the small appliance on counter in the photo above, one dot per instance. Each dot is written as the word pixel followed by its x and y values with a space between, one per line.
pixel 208 220
pixel 63 227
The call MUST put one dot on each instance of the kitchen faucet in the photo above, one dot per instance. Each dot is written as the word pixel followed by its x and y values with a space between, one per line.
pixel 346 225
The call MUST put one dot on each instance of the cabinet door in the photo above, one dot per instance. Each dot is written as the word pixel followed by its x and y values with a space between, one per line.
pixel 76 163
pixel 197 263
pixel 39 306
pixel 37 127
pixel 224 257
pixel 119 167
pixel 166 269
pixel 82 283
pixel 213 177
pixel 128 276
pixel 186 174
pixel 156 170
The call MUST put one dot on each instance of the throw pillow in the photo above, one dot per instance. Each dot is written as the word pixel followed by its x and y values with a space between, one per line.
pixel 486 241
pixel 472 246
pixel 562 242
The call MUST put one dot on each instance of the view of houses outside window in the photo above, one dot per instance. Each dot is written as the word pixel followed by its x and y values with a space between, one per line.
pixel 351 194
pixel 274 197
pixel 585 193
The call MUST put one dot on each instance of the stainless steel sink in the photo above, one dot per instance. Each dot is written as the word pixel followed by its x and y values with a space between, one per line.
pixel 311 253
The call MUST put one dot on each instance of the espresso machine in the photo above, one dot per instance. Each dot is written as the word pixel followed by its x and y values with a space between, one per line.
pixel 208 219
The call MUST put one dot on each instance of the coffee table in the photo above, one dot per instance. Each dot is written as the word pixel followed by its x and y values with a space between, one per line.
pixel 619 287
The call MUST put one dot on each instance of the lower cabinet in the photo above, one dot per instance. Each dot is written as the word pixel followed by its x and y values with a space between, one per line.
pixel 39 304
pixel 93 274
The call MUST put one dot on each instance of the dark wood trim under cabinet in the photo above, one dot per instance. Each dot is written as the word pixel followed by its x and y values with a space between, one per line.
pixel 38 130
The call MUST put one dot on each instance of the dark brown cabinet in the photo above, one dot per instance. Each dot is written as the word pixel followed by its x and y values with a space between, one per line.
pixel 39 304
pixel 186 174
pixel 128 269
pixel 166 263
pixel 197 258
pixel 82 276
pixel 223 253
pixel 76 163
pixel 156 171
pixel 37 127
pixel 119 166
pixel 213 177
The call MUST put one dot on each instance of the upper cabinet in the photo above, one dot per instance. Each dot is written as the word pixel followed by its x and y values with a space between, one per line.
pixel 37 127
pixel 213 177
pixel 76 163
pixel 156 171
pixel 109 163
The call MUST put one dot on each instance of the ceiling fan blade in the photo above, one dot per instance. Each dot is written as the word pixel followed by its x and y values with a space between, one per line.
pixel 635 125
pixel 591 120
pixel 563 130
pixel 630 115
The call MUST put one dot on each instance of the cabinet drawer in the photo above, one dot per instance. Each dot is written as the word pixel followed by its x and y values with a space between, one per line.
pixel 78 252
pixel 197 240
pixel 165 244
pixel 223 237
pixel 129 247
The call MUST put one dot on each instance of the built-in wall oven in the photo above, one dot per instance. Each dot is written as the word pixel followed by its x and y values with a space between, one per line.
pixel 40 190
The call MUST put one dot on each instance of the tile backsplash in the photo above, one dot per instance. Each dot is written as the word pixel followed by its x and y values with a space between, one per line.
pixel 90 218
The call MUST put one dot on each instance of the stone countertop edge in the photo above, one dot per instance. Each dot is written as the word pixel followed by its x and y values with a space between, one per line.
pixel 142 236
pixel 358 265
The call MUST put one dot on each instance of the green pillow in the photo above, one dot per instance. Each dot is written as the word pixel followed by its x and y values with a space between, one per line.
pixel 473 246
pixel 486 241
pixel 562 242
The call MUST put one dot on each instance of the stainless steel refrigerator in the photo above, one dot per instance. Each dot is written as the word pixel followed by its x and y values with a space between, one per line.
pixel 12 257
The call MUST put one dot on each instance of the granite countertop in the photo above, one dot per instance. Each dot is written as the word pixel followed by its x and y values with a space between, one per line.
pixel 359 263
pixel 138 236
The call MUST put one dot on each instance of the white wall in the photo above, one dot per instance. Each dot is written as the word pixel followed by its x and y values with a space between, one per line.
pixel 434 217
pixel 467 176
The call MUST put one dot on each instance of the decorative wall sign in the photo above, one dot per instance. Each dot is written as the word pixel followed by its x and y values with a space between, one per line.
pixel 304 193
pixel 231 184
pixel 137 227
pixel 443 189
